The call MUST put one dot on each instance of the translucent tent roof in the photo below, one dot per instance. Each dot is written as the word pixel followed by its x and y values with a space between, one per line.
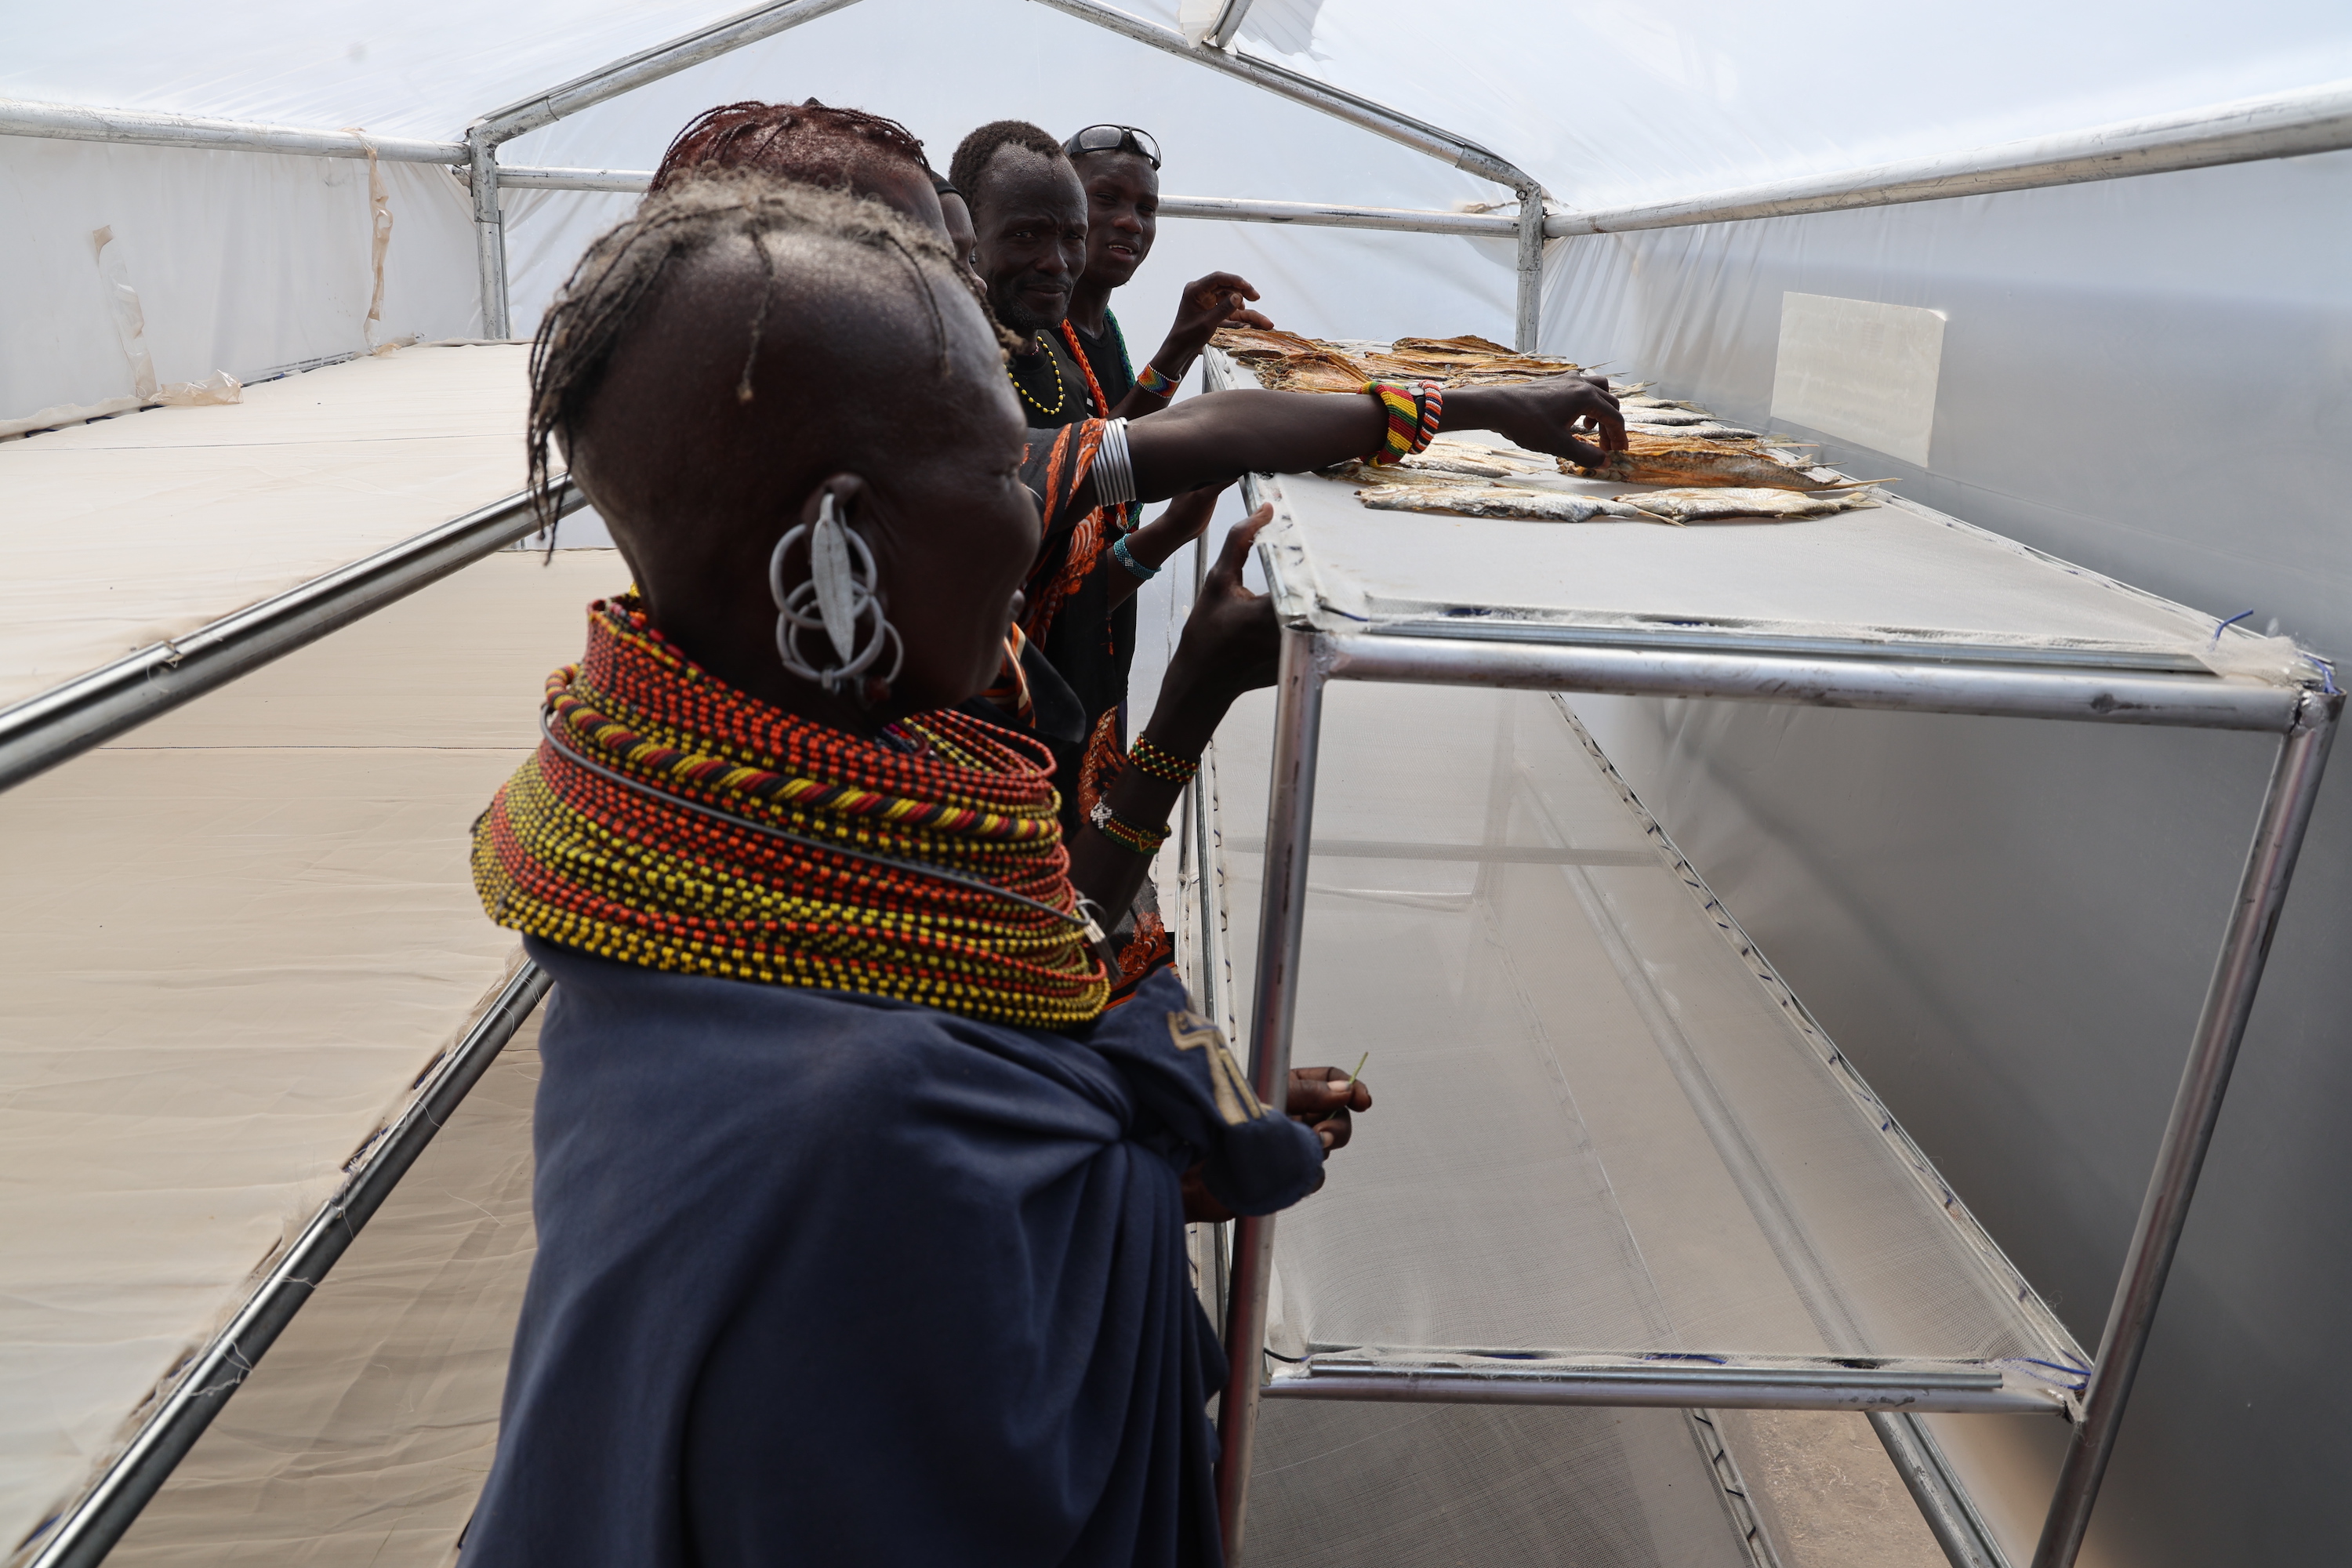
pixel 1602 102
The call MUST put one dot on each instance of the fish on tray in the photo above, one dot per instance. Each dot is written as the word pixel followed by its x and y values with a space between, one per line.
pixel 1453 459
pixel 1664 458
pixel 1501 500
pixel 1718 505
pixel 1288 362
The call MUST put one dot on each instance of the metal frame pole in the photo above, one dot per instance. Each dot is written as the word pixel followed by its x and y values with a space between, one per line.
pixel 2278 125
pixel 1337 103
pixel 65 720
pixel 2213 1051
pixel 1289 823
pixel 1532 260
pixel 722 36
pixel 1950 1514
pixel 147 128
pixel 489 230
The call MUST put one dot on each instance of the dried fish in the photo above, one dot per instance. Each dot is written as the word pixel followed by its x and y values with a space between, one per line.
pixel 1517 459
pixel 1700 430
pixel 1681 459
pixel 1286 362
pixel 1447 461
pixel 1503 501
pixel 1715 504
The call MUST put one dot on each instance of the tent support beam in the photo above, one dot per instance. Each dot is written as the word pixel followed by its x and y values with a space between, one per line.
pixel 1361 113
pixel 489 232
pixel 2280 125
pixel 1364 115
pixel 2188 1133
pixel 90 1530
pixel 647 66
pixel 1528 317
pixel 1228 25
pixel 75 122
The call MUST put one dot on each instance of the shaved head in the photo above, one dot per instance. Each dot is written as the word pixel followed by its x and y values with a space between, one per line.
pixel 742 347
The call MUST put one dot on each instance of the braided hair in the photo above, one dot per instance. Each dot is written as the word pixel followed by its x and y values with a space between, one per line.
pixel 625 265
pixel 808 140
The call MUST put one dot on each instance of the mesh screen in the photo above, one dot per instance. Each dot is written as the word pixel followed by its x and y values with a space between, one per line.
pixel 1434 1486
pixel 1600 1128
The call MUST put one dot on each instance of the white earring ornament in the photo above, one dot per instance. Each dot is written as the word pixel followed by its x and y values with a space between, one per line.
pixel 835 598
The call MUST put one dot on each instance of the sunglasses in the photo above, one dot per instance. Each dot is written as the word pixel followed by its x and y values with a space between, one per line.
pixel 1114 139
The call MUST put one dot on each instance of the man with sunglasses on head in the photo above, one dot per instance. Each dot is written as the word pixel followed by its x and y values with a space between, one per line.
pixel 1119 166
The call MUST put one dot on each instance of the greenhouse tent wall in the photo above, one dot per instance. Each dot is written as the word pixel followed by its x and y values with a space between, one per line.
pixel 2008 923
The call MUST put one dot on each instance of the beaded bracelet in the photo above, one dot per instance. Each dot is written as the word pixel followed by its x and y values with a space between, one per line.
pixel 1414 415
pixel 1120 554
pixel 1150 382
pixel 1156 761
pixel 1125 834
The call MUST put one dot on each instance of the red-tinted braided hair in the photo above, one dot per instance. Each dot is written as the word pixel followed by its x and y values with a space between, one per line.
pixel 810 142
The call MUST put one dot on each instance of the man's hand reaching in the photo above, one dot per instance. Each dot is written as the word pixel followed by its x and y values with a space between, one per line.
pixel 1219 300
pixel 1546 415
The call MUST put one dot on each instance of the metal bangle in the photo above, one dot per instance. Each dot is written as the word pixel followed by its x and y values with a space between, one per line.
pixel 1114 470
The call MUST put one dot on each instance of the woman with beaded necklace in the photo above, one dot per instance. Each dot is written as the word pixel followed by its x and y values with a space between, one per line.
pixel 860 1218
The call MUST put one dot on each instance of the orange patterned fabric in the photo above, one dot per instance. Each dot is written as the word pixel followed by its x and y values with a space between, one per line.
pixel 1102 764
pixel 1149 950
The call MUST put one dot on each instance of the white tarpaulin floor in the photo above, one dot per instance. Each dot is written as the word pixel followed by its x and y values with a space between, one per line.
pixel 128 531
pixel 236 939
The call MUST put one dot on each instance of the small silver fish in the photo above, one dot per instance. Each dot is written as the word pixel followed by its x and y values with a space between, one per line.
pixel 1503 501
pixel 1715 503
pixel 1703 429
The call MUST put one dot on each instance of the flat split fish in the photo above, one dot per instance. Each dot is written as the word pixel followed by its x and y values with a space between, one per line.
pixel 1675 458
pixel 1692 429
pixel 1288 362
pixel 1447 461
pixel 1503 501
pixel 1718 505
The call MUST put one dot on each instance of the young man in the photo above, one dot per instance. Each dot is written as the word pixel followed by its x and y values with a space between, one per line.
pixel 1119 166
pixel 1030 214
pixel 860 1220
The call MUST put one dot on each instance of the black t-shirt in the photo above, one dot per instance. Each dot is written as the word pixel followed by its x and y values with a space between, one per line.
pixel 1052 388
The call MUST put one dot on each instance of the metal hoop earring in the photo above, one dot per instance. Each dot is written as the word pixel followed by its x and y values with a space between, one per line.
pixel 833 599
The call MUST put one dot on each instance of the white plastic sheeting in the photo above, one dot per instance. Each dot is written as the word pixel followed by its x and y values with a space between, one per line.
pixel 128 531
pixel 242 262
pixel 361 1441
pixel 236 937
pixel 2143 376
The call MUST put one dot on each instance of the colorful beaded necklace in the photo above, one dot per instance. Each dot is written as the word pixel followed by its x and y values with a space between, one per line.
pixel 671 821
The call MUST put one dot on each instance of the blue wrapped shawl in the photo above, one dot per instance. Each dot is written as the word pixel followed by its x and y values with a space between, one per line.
pixel 828 1279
